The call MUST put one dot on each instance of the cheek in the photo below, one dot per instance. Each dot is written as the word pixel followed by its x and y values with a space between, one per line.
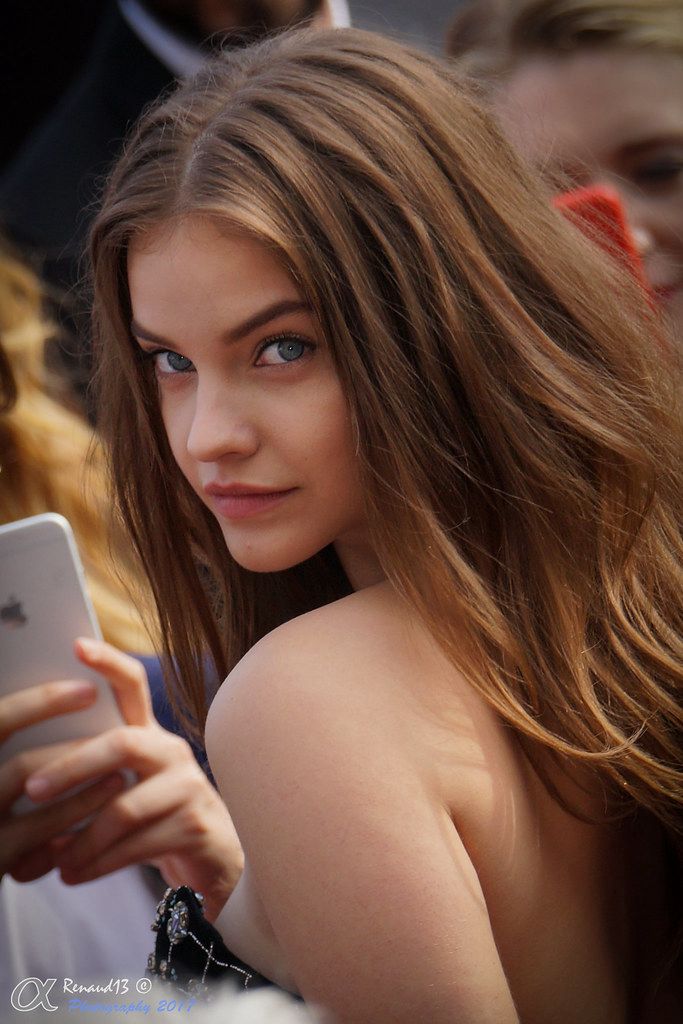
pixel 177 424
pixel 321 441
pixel 334 438
pixel 675 320
pixel 341 466
pixel 676 216
pixel 525 127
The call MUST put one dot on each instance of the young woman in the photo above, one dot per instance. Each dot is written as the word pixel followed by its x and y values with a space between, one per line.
pixel 397 448
pixel 592 91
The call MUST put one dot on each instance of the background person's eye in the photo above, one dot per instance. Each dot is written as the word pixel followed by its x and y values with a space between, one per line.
pixel 659 172
pixel 286 348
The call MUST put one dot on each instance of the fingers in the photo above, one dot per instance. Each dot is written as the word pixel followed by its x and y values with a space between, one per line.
pixel 33 865
pixel 26 707
pixel 60 843
pixel 145 751
pixel 126 676
pixel 137 848
pixel 199 839
pixel 23 835
pixel 14 773
pixel 179 823
pixel 161 796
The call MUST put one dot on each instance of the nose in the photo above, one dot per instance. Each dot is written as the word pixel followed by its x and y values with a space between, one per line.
pixel 637 210
pixel 643 238
pixel 639 221
pixel 221 426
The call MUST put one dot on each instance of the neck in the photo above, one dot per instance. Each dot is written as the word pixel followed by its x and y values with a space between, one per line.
pixel 360 563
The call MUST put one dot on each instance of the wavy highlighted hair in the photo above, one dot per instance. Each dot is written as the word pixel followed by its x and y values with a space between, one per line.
pixel 517 427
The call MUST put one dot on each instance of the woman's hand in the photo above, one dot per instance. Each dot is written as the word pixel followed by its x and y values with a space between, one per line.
pixel 172 817
pixel 24 838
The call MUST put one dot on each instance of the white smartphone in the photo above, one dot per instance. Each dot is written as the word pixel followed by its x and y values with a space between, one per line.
pixel 44 607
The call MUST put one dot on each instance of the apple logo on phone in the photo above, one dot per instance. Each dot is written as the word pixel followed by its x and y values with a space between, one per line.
pixel 12 615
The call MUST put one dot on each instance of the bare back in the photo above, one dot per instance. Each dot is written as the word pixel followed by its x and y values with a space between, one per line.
pixel 557 893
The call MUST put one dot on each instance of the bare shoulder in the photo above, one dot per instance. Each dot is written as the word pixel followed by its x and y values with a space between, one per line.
pixel 365 656
pixel 294 674
pixel 362 676
pixel 336 645
pixel 317 745
pixel 366 623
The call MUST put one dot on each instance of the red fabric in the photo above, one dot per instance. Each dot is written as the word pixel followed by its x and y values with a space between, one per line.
pixel 599 212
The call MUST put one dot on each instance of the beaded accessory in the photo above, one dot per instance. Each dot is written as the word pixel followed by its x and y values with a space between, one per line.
pixel 189 952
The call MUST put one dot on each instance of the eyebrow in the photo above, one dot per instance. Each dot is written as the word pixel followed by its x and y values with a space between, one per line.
pixel 260 319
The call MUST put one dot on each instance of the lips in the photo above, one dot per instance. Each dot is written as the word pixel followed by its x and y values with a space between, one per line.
pixel 241 501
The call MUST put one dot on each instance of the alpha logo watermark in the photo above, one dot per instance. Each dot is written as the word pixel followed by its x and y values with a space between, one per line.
pixel 31 993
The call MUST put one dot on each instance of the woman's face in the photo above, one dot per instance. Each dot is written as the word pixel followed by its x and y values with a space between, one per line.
pixel 250 399
pixel 612 117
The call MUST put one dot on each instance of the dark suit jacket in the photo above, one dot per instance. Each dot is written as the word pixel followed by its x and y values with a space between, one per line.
pixel 42 49
pixel 49 193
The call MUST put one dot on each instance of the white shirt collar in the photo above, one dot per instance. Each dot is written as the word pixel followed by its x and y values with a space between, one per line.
pixel 341 15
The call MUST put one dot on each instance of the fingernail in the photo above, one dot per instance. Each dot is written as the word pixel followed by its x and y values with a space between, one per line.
pixel 70 877
pixel 80 690
pixel 86 646
pixel 37 787
pixel 62 842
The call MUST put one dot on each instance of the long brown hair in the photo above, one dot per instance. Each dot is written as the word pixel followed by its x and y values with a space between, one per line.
pixel 517 426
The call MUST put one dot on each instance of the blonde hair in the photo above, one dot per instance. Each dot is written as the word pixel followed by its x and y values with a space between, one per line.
pixel 51 461
pixel 489 37
pixel 517 428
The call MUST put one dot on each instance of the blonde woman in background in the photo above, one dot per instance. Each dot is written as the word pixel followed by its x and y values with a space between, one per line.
pixel 591 92
pixel 51 462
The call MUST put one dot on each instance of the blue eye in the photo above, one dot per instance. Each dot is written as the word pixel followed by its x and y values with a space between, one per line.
pixel 171 362
pixel 291 349
pixel 284 349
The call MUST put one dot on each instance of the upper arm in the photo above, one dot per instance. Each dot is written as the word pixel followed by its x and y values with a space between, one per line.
pixel 366 883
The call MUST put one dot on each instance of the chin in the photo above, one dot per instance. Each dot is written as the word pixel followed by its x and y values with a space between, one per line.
pixel 264 564
pixel 264 558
